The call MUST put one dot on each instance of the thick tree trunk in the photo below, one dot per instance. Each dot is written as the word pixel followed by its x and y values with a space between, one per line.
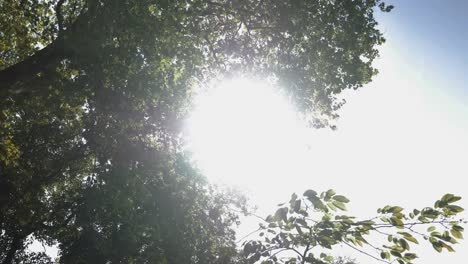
pixel 26 70
pixel 50 56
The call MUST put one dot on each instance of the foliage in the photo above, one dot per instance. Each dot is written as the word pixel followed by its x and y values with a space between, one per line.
pixel 93 94
pixel 309 225
pixel 344 260
pixel 315 49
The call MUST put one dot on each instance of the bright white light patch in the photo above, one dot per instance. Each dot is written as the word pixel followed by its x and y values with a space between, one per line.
pixel 243 132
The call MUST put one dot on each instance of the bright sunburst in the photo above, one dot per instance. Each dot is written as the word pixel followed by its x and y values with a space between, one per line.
pixel 243 132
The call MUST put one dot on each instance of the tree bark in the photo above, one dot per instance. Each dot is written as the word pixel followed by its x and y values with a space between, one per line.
pixel 50 56
pixel 27 69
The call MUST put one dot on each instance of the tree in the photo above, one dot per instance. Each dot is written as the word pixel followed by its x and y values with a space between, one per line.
pixel 315 49
pixel 307 225
pixel 93 93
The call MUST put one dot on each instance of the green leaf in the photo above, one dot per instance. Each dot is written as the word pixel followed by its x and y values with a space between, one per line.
pixel 409 237
pixel 331 206
pixel 455 208
pixel 329 194
pixel 293 197
pixel 318 204
pixel 367 222
pixel 436 245
pixel 297 206
pixel 385 255
pixel 396 209
pixel 456 233
pixel 310 193
pixel 404 244
pixel 281 214
pixel 412 239
pixel 410 256
pixel 269 219
pixel 340 198
pixel 454 199
pixel 396 222
pixel 423 219
pixel 450 198
pixel 449 248
pixel 358 242
pixel 339 205
pixel 395 253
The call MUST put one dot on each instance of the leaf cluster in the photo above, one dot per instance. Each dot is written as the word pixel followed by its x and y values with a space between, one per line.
pixel 303 229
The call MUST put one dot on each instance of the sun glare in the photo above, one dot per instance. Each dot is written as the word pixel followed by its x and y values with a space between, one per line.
pixel 243 132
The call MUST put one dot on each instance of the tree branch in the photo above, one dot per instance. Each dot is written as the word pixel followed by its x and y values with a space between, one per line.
pixel 305 253
pixel 13 76
pixel 58 13
pixel 365 253
pixel 29 68
pixel 249 234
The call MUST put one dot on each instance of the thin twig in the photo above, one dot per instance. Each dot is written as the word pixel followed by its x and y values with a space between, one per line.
pixel 365 253
pixel 249 234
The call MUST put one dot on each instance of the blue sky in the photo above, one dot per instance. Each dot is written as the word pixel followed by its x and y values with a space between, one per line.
pixel 434 35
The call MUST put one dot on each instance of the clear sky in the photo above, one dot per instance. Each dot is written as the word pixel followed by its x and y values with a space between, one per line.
pixel 401 139
pixel 434 34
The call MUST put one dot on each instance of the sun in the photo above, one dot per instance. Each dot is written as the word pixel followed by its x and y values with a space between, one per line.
pixel 244 132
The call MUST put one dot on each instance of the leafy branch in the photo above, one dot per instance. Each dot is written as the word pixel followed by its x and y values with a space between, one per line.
pixel 314 221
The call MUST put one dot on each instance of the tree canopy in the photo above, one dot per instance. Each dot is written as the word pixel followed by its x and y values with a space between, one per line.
pixel 315 49
pixel 93 94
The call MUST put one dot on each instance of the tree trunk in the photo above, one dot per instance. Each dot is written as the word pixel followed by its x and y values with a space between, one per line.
pixel 26 70
pixel 61 48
